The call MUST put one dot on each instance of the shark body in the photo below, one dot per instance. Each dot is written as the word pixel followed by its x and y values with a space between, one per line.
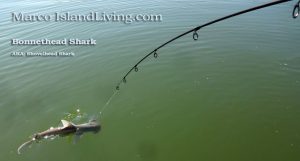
pixel 67 129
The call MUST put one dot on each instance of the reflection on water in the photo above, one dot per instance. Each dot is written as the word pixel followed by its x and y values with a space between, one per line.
pixel 231 95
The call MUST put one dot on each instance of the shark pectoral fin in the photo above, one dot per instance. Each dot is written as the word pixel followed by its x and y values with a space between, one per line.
pixel 77 136
pixel 78 133
pixel 66 123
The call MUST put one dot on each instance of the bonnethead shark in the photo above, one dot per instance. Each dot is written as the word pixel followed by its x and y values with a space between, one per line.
pixel 67 129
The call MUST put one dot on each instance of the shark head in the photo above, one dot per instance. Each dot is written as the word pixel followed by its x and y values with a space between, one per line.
pixel 91 126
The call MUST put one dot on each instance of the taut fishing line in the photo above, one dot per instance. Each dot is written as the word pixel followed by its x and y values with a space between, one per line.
pixel 195 35
pixel 107 103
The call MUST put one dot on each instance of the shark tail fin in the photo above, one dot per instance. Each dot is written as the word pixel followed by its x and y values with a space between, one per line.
pixel 26 144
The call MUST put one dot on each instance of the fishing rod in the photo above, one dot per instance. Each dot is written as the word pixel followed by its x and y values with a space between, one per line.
pixel 295 14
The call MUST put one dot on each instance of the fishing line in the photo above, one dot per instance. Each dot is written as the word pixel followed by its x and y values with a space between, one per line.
pixel 107 102
pixel 196 36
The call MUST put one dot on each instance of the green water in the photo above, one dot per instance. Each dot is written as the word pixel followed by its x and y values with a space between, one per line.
pixel 233 95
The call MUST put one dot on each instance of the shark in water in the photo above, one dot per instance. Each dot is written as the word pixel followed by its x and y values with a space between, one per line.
pixel 67 128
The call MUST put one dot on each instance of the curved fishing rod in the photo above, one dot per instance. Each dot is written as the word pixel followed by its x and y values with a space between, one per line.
pixel 195 34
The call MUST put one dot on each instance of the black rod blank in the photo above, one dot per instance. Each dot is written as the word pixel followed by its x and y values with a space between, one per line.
pixel 195 34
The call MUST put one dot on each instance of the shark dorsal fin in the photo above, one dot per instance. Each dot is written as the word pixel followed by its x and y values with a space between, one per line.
pixel 66 123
